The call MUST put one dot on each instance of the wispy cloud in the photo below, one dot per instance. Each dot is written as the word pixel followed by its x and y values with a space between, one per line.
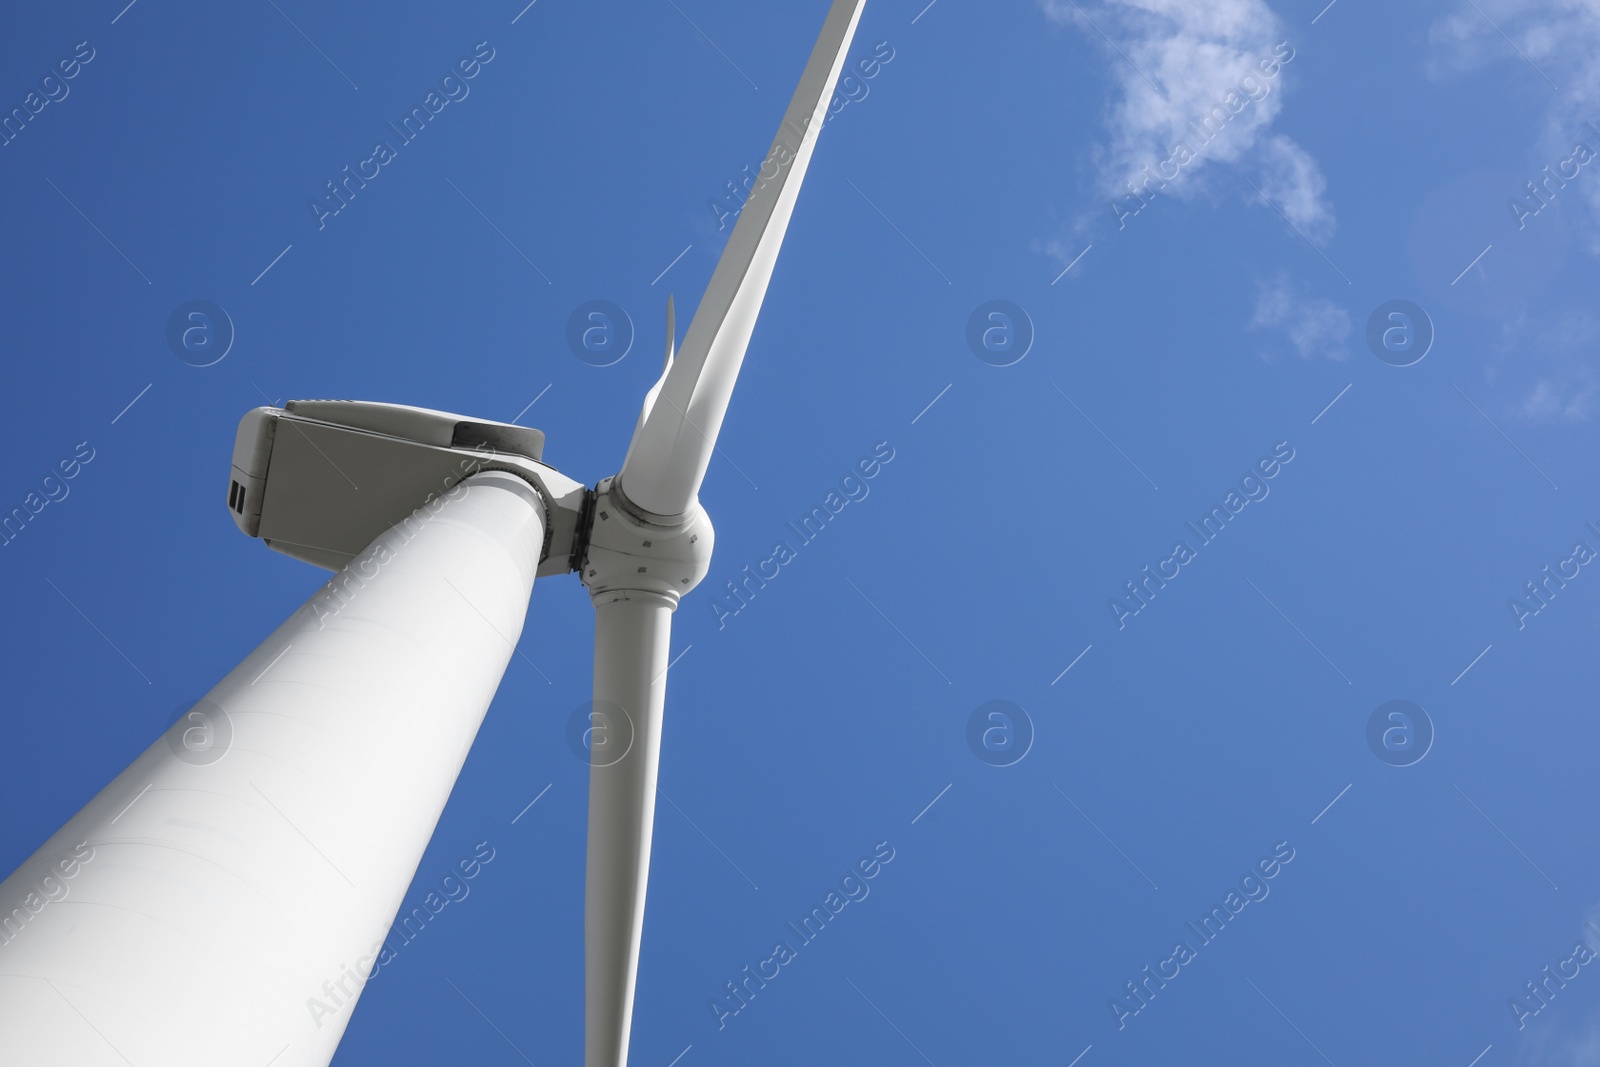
pixel 1554 38
pixel 1581 1050
pixel 1318 328
pixel 1192 75
pixel 1563 401
pixel 1543 371
pixel 1556 1038
pixel 1553 43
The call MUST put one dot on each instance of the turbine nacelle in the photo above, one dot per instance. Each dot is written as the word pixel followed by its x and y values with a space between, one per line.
pixel 318 480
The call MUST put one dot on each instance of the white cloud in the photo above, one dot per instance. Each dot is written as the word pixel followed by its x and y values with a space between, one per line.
pixel 1180 66
pixel 1579 1051
pixel 1555 37
pixel 1565 401
pixel 1551 45
pixel 1554 42
pixel 1555 1038
pixel 1542 370
pixel 1565 390
pixel 1290 178
pixel 1315 326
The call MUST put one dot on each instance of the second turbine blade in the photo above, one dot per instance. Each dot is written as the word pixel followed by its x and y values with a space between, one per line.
pixel 631 638
pixel 670 452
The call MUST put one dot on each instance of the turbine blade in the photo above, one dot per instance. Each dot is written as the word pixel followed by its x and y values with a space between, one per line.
pixel 672 337
pixel 667 459
pixel 632 634
pixel 655 390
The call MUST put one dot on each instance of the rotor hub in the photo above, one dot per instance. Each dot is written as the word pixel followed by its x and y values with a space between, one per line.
pixel 630 553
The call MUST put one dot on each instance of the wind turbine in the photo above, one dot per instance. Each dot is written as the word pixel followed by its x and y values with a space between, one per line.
pixel 224 899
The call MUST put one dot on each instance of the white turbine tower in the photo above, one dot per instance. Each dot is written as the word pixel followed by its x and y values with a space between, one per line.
pixel 223 900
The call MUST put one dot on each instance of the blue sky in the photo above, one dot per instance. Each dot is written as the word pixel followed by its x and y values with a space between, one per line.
pixel 1174 349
